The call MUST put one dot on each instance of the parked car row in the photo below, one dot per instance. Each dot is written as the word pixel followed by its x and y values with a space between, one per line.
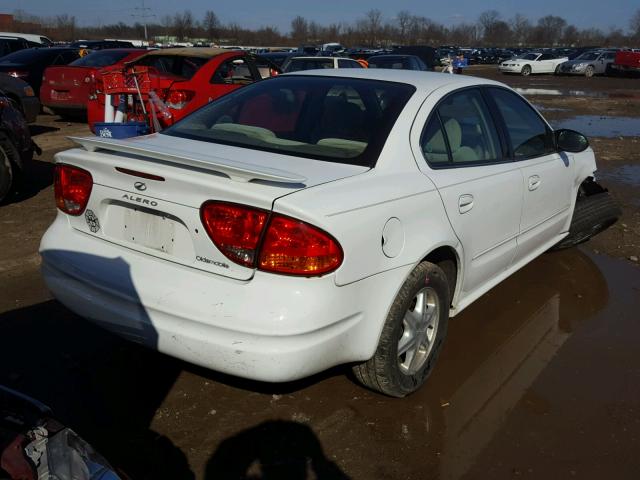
pixel 588 63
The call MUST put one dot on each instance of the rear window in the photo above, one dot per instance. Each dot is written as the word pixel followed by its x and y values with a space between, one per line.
pixel 299 64
pixel 398 63
pixel 335 119
pixel 178 65
pixel 102 58
pixel 29 55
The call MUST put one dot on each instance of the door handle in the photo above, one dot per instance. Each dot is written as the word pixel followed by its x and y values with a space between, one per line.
pixel 534 182
pixel 465 203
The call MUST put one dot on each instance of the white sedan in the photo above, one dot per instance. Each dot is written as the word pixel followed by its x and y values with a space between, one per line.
pixel 533 62
pixel 317 219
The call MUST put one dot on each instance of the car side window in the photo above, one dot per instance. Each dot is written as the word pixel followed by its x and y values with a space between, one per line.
pixel 235 71
pixel 466 128
pixel 528 134
pixel 545 56
pixel 433 145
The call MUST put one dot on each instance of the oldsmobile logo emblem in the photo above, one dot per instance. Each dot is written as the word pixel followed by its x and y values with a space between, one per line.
pixel 140 186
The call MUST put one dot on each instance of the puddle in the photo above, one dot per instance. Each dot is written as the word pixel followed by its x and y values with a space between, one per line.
pixel 561 93
pixel 629 174
pixel 597 126
pixel 542 108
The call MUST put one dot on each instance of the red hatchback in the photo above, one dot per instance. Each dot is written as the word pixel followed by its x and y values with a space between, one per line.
pixel 66 88
pixel 183 79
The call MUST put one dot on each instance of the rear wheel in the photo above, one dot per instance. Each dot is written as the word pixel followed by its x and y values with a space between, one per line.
pixel 592 215
pixel 526 71
pixel 412 336
pixel 6 167
pixel 589 71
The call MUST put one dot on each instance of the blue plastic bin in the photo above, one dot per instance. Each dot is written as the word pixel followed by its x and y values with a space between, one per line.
pixel 120 130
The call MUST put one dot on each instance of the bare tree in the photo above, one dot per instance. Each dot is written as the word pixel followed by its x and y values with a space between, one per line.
pixel 521 29
pixel 211 25
pixel 404 20
pixel 66 25
pixel 373 26
pixel 549 30
pixel 634 24
pixel 299 29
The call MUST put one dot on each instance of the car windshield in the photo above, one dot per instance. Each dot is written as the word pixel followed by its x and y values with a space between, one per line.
pixel 588 56
pixel 299 64
pixel 101 58
pixel 530 56
pixel 342 120
pixel 390 62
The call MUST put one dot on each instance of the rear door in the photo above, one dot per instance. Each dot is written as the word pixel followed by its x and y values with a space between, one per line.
pixel 462 154
pixel 547 174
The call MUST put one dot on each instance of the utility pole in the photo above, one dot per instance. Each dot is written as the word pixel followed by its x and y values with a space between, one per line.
pixel 143 13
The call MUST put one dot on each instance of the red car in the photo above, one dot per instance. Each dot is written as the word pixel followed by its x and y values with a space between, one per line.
pixel 183 79
pixel 66 88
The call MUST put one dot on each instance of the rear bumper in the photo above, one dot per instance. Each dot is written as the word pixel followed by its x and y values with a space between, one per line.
pixel 271 328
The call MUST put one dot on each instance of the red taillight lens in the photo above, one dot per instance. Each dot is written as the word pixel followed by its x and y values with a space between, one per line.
pixel 294 247
pixel 289 246
pixel 178 99
pixel 72 189
pixel 234 229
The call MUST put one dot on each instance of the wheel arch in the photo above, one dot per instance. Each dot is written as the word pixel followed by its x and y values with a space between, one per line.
pixel 449 259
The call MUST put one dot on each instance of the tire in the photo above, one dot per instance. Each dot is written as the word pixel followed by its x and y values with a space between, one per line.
pixel 589 71
pixel 557 70
pixel 7 153
pixel 395 374
pixel 593 214
pixel 526 71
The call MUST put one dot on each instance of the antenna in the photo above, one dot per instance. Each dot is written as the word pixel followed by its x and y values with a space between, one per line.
pixel 143 13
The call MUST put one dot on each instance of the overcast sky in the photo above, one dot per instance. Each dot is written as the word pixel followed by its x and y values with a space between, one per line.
pixel 256 13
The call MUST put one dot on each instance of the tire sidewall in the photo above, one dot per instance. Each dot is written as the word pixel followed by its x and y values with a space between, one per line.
pixel 425 274
pixel 526 71
pixel 6 172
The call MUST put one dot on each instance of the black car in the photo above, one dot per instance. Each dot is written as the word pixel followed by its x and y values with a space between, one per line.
pixel 428 55
pixel 397 62
pixel 101 44
pixel 277 57
pixel 16 146
pixel 21 95
pixel 29 64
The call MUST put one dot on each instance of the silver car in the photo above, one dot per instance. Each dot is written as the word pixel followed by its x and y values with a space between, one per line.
pixel 589 63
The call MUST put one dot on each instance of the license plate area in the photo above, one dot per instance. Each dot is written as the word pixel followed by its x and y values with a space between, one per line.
pixel 59 95
pixel 146 229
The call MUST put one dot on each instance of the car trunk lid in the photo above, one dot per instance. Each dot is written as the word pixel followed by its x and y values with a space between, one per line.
pixel 148 192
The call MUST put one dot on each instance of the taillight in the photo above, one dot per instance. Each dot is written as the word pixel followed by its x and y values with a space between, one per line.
pixel 234 229
pixel 294 247
pixel 178 99
pixel 72 187
pixel 278 244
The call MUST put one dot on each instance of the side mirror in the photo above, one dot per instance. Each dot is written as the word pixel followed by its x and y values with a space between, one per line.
pixel 571 141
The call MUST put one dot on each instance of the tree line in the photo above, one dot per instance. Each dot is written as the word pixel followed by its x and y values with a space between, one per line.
pixel 371 30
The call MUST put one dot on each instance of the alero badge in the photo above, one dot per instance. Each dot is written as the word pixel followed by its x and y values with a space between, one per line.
pixel 92 221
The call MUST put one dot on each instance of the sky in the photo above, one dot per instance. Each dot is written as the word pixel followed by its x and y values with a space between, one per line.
pixel 278 13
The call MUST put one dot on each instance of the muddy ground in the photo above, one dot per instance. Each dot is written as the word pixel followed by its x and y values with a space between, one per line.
pixel 538 379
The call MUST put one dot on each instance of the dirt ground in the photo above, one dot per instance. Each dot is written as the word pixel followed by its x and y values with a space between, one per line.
pixel 540 378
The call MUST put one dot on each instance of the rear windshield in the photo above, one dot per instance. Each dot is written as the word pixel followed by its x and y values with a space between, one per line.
pixel 27 55
pixel 399 63
pixel 178 65
pixel 299 64
pixel 101 58
pixel 342 120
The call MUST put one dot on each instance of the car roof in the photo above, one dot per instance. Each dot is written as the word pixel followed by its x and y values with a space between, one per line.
pixel 421 80
pixel 318 58
pixel 201 52
pixel 392 55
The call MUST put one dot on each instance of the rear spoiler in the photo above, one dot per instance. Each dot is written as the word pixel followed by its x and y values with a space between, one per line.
pixel 238 171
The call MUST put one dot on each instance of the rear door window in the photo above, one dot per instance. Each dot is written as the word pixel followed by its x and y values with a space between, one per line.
pixel 235 71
